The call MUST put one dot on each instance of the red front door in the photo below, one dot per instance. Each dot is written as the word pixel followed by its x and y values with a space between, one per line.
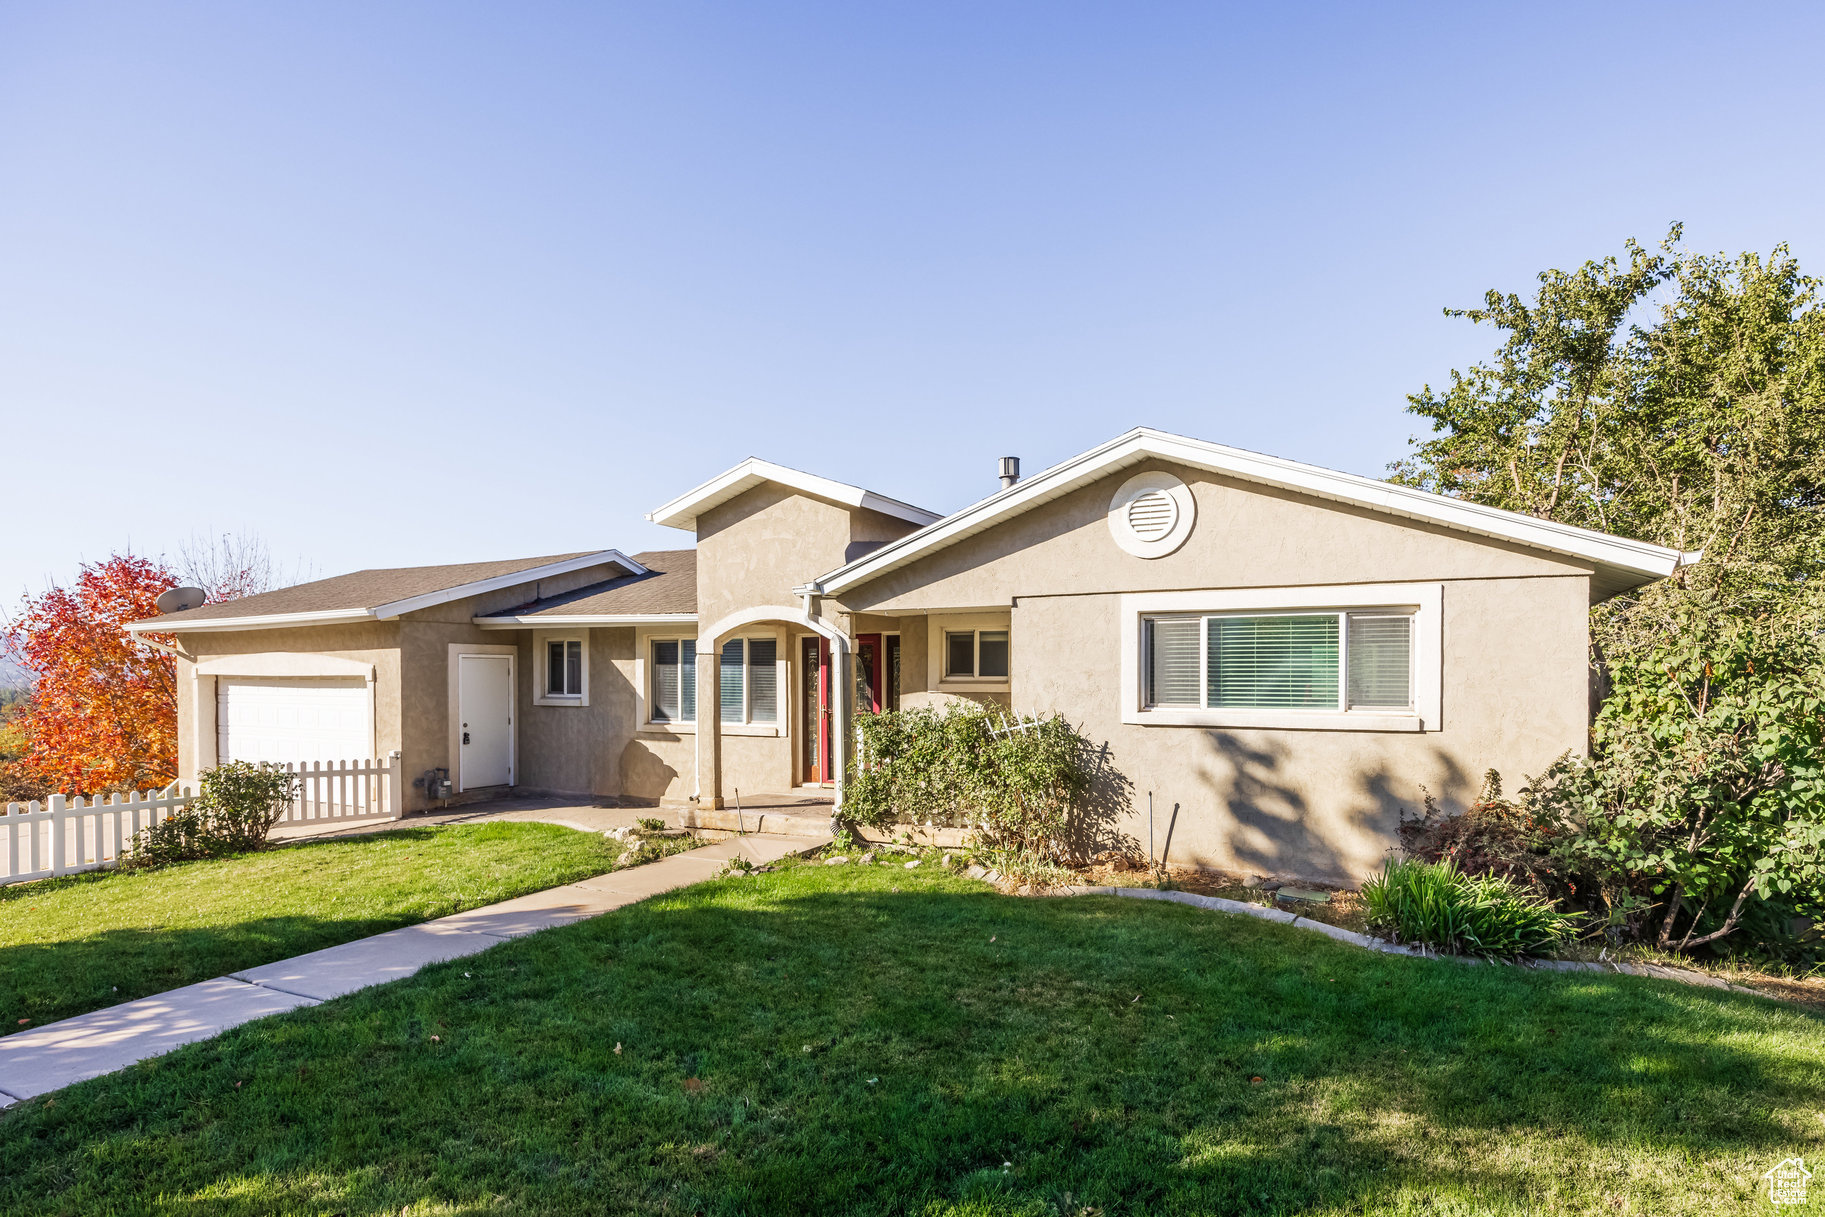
pixel 814 666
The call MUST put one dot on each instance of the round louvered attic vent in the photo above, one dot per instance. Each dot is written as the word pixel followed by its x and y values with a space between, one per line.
pixel 1151 515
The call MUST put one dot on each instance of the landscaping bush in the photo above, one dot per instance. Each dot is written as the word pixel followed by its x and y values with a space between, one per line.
pixel 1701 810
pixel 1026 788
pixel 236 806
pixel 1437 905
pixel 1493 836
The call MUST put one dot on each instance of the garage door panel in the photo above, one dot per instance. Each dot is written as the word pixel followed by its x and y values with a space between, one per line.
pixel 292 720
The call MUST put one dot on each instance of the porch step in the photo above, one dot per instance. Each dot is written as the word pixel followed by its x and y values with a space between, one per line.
pixel 802 825
pixel 778 823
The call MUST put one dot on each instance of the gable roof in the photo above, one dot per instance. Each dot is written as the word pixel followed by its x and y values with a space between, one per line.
pixel 376 594
pixel 682 512
pixel 1620 563
pixel 665 591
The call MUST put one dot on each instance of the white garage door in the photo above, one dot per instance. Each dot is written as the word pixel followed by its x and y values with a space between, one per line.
pixel 292 720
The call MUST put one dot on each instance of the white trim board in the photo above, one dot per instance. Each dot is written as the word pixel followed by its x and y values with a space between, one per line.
pixel 1620 561
pixel 682 512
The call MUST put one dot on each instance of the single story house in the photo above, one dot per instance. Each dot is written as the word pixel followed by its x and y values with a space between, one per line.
pixel 1281 657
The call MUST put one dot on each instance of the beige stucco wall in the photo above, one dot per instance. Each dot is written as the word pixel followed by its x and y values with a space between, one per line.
pixel 1323 804
pixel 1298 802
pixel 1245 536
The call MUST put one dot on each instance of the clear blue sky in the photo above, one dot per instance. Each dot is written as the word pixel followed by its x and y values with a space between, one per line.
pixel 395 283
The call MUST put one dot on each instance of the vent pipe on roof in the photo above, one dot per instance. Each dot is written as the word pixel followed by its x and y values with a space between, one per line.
pixel 1010 471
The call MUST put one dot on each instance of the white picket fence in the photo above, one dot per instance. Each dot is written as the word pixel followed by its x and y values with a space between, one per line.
pixel 346 790
pixel 65 836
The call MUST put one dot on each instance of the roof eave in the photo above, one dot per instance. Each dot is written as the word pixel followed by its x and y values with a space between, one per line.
pixel 1617 554
pixel 266 621
pixel 682 512
pixel 581 620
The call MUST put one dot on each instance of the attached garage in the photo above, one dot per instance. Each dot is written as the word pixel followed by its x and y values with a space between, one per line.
pixel 269 719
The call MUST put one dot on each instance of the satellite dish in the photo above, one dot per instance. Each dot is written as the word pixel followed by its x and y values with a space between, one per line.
pixel 177 599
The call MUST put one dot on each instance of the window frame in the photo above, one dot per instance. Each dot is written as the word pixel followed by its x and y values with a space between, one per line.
pixel 650 719
pixel 938 652
pixel 541 667
pixel 780 683
pixel 1422 602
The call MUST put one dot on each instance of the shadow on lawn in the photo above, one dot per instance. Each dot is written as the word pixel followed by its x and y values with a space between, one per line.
pixel 871 1050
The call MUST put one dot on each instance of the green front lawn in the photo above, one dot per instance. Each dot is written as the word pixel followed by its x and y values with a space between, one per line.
pixel 872 1040
pixel 72 945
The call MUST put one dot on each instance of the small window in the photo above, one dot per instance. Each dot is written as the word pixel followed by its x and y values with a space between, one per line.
pixel 749 681
pixel 564 668
pixel 1381 660
pixel 674 681
pixel 1336 661
pixel 960 653
pixel 992 653
pixel 978 653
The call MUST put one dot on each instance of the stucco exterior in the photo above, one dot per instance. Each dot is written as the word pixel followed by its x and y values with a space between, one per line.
pixel 1499 623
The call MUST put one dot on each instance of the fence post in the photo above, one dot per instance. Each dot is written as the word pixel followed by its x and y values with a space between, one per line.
pixel 395 785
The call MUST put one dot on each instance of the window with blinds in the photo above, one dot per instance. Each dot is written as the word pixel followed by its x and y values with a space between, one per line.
pixel 1381 660
pixel 733 682
pixel 1175 660
pixel 763 680
pixel 1280 661
pixel 748 681
pixel 674 692
pixel 1272 663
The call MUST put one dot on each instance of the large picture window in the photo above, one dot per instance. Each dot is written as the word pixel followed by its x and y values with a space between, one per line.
pixel 1281 661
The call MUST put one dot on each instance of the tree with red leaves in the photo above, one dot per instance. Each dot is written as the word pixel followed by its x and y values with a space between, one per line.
pixel 103 710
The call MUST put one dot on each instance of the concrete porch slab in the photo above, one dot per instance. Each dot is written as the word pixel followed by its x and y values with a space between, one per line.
pixel 89 1045
pixel 334 971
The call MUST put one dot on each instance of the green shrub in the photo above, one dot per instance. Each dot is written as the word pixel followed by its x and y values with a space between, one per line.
pixel 1021 788
pixel 1437 905
pixel 1704 796
pixel 237 804
pixel 650 824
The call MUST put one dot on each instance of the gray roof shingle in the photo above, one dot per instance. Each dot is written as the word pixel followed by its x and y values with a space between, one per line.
pixel 669 587
pixel 361 589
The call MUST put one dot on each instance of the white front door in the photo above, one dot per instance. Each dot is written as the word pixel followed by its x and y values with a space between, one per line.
pixel 484 701
pixel 316 719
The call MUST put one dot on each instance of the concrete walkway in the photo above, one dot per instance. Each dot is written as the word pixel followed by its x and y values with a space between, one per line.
pixel 89 1045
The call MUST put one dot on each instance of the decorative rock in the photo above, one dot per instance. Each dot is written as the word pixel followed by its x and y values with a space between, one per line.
pixel 912 864
pixel 991 875
pixel 947 861
pixel 836 861
pixel 975 872
pixel 866 858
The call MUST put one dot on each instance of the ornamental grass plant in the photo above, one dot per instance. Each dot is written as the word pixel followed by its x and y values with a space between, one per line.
pixel 1435 904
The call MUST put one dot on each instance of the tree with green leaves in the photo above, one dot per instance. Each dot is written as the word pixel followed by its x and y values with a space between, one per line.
pixel 1674 397
pixel 1677 398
